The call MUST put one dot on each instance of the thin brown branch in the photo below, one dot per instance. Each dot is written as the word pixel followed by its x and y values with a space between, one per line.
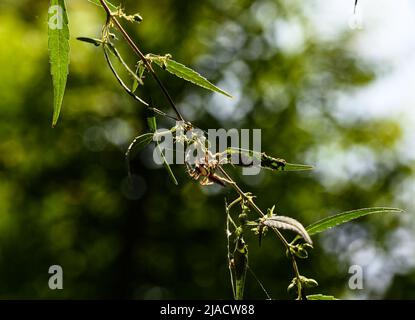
pixel 135 48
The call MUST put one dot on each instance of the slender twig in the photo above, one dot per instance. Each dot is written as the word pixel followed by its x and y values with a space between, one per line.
pixel 135 48
pixel 128 90
pixel 259 282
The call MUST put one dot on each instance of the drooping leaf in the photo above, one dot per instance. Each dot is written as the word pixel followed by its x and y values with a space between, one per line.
pixel 287 223
pixel 140 73
pixel 96 42
pixel 152 124
pixel 151 121
pixel 320 297
pixel 110 5
pixel 344 217
pixel 139 143
pixel 188 74
pixel 58 29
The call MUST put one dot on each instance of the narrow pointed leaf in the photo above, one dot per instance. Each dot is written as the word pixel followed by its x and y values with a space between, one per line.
pixel 344 217
pixel 152 124
pixel 96 42
pixel 297 167
pixel 287 223
pixel 188 74
pixel 58 52
pixel 240 258
pixel 266 161
pixel 139 72
pixel 151 121
pixel 320 297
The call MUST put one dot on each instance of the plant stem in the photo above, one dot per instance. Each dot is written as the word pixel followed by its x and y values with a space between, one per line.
pixel 232 183
pixel 253 205
pixel 135 48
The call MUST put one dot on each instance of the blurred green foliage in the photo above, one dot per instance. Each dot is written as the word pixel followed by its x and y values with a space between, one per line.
pixel 64 194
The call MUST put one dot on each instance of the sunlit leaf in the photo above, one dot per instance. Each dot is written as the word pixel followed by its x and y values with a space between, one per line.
pixel 139 72
pixel 344 217
pixel 188 74
pixel 152 124
pixel 58 26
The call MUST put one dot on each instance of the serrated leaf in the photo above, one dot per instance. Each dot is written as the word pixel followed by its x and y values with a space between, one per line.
pixel 320 297
pixel 110 5
pixel 94 41
pixel 181 71
pixel 344 217
pixel 287 223
pixel 58 28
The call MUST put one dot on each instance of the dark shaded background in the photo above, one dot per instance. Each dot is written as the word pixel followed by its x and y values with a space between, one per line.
pixel 64 197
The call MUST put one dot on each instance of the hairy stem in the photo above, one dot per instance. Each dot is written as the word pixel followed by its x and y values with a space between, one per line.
pixel 135 48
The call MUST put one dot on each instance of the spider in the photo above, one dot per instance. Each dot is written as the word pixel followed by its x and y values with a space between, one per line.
pixel 206 169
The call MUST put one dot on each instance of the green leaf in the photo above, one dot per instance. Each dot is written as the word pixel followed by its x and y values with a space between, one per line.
pixel 344 217
pixel 151 121
pixel 266 161
pixel 139 72
pixel 110 5
pixel 320 297
pixel 96 42
pixel 187 74
pixel 240 265
pixel 297 167
pixel 58 52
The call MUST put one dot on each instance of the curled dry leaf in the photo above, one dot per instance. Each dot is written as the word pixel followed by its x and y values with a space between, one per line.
pixel 287 223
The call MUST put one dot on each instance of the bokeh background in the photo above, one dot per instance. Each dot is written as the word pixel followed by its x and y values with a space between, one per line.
pixel 341 99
